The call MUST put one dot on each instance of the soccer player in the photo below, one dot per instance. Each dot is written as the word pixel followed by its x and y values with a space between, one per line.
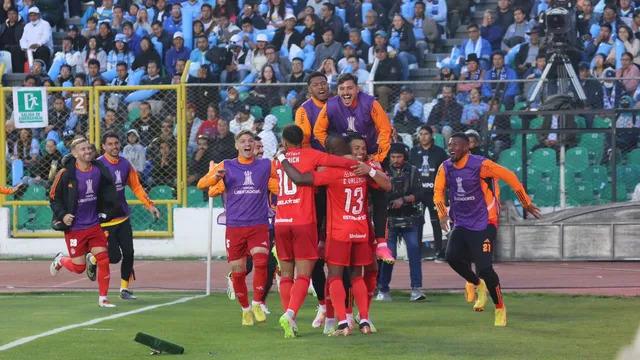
pixel 247 182
pixel 347 229
pixel 472 237
pixel 82 189
pixel 295 223
pixel 118 231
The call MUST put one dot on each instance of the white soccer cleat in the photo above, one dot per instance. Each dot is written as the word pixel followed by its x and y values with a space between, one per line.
pixel 329 326
pixel 321 315
pixel 230 292
pixel 55 266
pixel 265 309
pixel 103 302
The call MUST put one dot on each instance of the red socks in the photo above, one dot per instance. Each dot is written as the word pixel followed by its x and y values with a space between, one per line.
pixel 371 280
pixel 500 304
pixel 286 283
pixel 69 265
pixel 240 288
pixel 360 293
pixel 298 293
pixel 338 297
pixel 260 261
pixel 102 260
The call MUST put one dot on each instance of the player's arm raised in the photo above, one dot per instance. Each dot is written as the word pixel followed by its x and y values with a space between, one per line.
pixel 215 174
pixel 490 169
pixel 380 179
pixel 325 159
pixel 134 183
pixel 293 173
pixel 321 126
pixel 383 125
pixel 438 198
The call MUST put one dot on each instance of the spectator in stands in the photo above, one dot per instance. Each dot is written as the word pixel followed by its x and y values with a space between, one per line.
pixel 287 35
pixel 610 17
pixel 153 76
pixel 380 40
pixel 591 86
pixel 147 55
pixel 11 32
pixel 361 48
pixel 225 29
pixel 475 142
pixel 163 170
pixel 197 31
pixel 177 51
pixel 407 113
pixel 473 112
pixel 159 11
pixel 93 71
pixel 635 25
pixel 504 14
pixel 348 50
pixel 446 114
pixel 90 29
pixel 94 52
pixel 351 15
pixel 631 45
pixel 198 54
pixel 243 120
pixel 248 12
pixel 330 20
pixel 586 19
pixel 141 24
pixel 504 91
pixel 132 39
pixel 329 48
pixel 491 31
pixel 232 104
pixel 65 78
pixel 147 126
pixel 418 23
pixel 266 96
pixel 529 51
pixel 200 159
pixel 60 119
pixel 166 135
pixel 52 12
pixel 474 73
pixel 26 148
pixel 45 168
pixel 600 64
pixel 330 70
pixel 193 125
pixel 555 140
pixel 316 6
pixel 276 14
pixel 134 151
pixel 353 67
pixel 403 40
pixel 436 10
pixel 173 23
pixel 69 56
pixel 104 13
pixel 612 90
pixel 79 41
pixel 161 36
pixel 39 71
pixel 385 69
pixel 257 58
pixel 268 137
pixel 516 33
pixel 122 75
pixel 280 64
pixel 313 30
pixel 36 36
pixel 224 144
pixel 625 10
pixel 117 19
pixel 236 67
pixel 105 37
pixel 113 124
pixel 30 81
pixel 206 18
pixel 477 45
pixel 209 127
pixel 601 44
pixel 79 79
pixel 298 74
pixel 534 73
pixel 120 53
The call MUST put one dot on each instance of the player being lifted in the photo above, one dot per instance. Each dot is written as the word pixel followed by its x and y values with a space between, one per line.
pixel 347 228
pixel 118 231
pixel 295 223
pixel 82 189
pixel 472 237
pixel 246 187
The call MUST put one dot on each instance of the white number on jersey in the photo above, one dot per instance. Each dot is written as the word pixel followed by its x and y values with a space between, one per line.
pixel 355 197
pixel 286 185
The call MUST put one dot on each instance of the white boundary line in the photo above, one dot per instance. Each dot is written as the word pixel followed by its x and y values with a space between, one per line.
pixel 28 339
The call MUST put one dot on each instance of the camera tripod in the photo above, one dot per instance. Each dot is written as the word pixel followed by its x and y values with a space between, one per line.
pixel 562 63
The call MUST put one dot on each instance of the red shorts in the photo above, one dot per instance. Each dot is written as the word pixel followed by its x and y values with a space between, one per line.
pixel 80 242
pixel 347 253
pixel 296 242
pixel 241 239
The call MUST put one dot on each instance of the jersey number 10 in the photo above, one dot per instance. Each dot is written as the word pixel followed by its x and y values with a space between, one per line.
pixel 287 187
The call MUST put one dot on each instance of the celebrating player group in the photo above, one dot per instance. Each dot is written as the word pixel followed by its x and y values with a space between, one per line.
pixel 322 184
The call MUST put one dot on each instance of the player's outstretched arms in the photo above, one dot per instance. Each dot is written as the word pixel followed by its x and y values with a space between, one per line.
pixel 293 173
pixel 379 177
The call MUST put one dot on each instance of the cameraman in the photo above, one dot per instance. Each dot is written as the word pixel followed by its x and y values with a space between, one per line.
pixel 404 218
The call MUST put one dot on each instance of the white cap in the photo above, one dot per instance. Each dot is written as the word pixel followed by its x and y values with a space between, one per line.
pixel 235 39
pixel 262 37
pixel 178 34
pixel 34 10
pixel 290 16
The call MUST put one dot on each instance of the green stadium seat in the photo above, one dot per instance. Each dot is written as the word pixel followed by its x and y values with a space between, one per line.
pixel 580 193
pixel 284 114
pixel 532 140
pixel 633 158
pixel 438 139
pixel 577 159
pixel 605 194
pixel 534 177
pixel 128 194
pixel 256 111
pixel 546 194
pixel 243 95
pixel 520 105
pixel 512 160
pixel 35 192
pixel 628 176
pixel 594 143
pixel 161 192
pixel 505 192
pixel 516 122
pixel 543 158
pixel 601 123
pixel 581 122
pixel 134 113
pixel 195 198
pixel 536 123
pixel 599 177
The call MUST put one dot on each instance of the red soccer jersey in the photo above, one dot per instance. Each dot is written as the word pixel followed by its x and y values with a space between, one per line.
pixel 296 204
pixel 347 209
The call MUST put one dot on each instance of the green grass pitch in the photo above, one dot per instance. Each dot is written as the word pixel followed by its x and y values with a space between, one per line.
pixel 444 327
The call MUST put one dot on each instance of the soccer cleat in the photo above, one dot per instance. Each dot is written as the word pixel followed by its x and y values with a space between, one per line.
pixel 319 319
pixel 105 303
pixel 91 268
pixel 289 326
pixel 342 330
pixel 373 327
pixel 469 292
pixel 258 313
pixel 481 300
pixel 329 326
pixel 365 328
pixel 265 309
pixel 383 296
pixel 384 253
pixel 126 294
pixel 501 317
pixel 247 317
pixel 230 292
pixel 351 321
pixel 416 295
pixel 55 264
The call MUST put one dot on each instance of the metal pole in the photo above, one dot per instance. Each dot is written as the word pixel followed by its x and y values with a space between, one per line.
pixel 563 190
pixel 209 245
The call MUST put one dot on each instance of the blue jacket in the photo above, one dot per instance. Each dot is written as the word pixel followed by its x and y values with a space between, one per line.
pixel 493 34
pixel 509 89
pixel 171 26
pixel 173 56
pixel 485 52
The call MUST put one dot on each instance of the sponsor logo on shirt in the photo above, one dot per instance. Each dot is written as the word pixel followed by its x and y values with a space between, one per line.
pixel 357 236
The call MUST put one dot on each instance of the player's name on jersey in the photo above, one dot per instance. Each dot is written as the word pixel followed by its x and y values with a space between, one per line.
pixel 352 179
pixel 293 159
pixel 354 218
